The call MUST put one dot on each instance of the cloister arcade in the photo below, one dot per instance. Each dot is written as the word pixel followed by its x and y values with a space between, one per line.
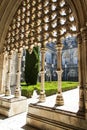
pixel 29 23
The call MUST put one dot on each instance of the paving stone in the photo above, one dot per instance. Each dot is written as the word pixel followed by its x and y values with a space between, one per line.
pixel 18 122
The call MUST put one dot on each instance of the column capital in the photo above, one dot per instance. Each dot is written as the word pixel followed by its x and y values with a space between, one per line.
pixel 10 55
pixel 59 46
pixel 79 38
pixel 42 72
pixel 43 50
pixel 59 71
pixel 19 54
pixel 83 29
pixel 30 49
pixel 84 33
pixel 10 52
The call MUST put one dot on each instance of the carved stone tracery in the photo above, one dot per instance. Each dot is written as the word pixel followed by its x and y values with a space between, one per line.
pixel 39 21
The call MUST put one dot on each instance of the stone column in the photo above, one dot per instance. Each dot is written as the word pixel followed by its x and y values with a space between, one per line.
pixel 8 89
pixel 18 87
pixel 81 110
pixel 84 64
pixel 5 71
pixel 2 64
pixel 14 70
pixel 59 98
pixel 42 91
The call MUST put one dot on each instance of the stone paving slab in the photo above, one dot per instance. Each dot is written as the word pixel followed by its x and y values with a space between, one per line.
pixel 18 122
pixel 71 101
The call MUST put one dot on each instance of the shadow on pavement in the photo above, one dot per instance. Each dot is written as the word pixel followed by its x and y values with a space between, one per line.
pixel 27 127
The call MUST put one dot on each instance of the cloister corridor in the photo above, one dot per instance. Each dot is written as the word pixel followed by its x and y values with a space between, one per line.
pixel 26 24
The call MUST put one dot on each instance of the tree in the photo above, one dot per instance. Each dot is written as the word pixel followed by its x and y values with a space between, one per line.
pixel 32 66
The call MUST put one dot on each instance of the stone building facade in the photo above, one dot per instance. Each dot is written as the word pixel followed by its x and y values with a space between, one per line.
pixel 70 59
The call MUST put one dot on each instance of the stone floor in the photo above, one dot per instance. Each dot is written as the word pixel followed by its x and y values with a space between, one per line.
pixel 71 100
pixel 18 122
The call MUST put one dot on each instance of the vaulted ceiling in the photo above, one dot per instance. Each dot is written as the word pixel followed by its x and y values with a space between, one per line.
pixel 8 9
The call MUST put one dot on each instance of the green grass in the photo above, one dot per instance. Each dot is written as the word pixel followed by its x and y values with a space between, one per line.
pixel 50 88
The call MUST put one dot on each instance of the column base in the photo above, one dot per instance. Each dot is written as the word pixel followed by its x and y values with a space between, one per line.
pixel 42 97
pixel 59 100
pixel 17 94
pixel 10 106
pixel 7 92
pixel 81 113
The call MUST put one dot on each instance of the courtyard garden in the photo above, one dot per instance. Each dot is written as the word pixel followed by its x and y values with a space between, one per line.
pixel 50 88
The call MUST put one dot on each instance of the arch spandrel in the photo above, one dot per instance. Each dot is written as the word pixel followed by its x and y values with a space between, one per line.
pixel 79 8
pixel 7 11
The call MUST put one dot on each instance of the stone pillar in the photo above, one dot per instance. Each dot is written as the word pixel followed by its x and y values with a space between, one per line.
pixel 5 71
pixel 8 89
pixel 42 91
pixel 84 64
pixel 59 98
pixel 81 110
pixel 18 87
pixel 14 70
pixel 2 63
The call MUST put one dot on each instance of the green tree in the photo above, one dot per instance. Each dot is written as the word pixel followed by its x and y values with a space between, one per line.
pixel 32 66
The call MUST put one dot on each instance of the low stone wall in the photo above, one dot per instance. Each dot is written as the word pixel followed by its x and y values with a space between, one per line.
pixel 46 118
pixel 10 106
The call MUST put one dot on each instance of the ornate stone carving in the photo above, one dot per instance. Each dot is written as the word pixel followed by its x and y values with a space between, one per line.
pixel 38 22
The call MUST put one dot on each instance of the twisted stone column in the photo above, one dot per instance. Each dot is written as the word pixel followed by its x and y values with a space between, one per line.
pixel 59 98
pixel 84 64
pixel 8 89
pixel 42 91
pixel 18 87
pixel 81 110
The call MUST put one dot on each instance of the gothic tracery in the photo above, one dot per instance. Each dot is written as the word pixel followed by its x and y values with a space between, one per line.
pixel 38 22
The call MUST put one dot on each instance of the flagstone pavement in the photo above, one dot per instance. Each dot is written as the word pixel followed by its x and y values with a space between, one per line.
pixel 18 122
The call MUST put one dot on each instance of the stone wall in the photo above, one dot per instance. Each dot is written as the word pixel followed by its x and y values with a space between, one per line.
pixel 46 118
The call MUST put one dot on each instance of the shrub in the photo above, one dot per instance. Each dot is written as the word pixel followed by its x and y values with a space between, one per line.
pixel 31 66
pixel 50 88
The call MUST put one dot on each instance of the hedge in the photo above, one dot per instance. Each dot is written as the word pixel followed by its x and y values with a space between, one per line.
pixel 50 88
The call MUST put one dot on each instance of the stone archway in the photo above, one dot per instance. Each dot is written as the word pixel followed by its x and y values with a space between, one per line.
pixel 47 29
pixel 37 23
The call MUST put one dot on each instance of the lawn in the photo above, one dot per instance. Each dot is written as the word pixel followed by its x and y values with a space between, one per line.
pixel 50 88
